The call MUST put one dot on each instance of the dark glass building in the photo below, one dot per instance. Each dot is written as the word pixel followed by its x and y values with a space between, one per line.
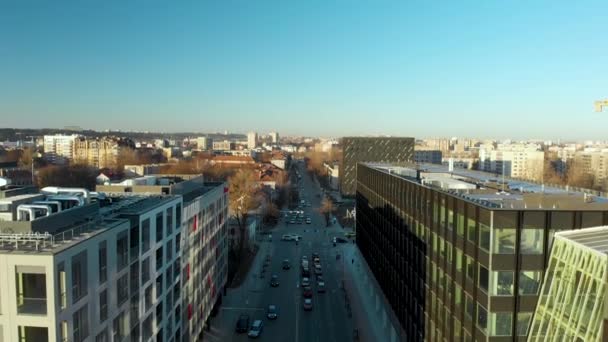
pixel 392 150
pixel 461 256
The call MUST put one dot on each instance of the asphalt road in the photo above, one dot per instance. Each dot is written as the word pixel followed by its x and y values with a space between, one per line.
pixel 328 320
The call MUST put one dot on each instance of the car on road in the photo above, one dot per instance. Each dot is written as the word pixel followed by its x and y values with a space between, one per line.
pixel 340 240
pixel 272 312
pixel 315 256
pixel 292 221
pixel 286 264
pixel 307 304
pixel 274 280
pixel 256 328
pixel 307 292
pixel 320 286
pixel 350 235
pixel 305 282
pixel 242 324
pixel 308 220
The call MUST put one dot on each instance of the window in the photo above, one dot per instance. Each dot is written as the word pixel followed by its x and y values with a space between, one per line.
pixel 469 307
pixel 470 268
pixel 102 336
pixel 122 289
pixel 122 250
pixel 482 318
pixel 79 276
pixel 145 270
pixel 61 278
pixel 145 235
pixel 471 224
pixel 159 227
pixel 484 278
pixel 457 296
pixel 484 237
pixel 103 305
pixel 178 215
pixel 500 323
pixel 458 260
pixel 504 241
pixel 81 324
pixel 169 219
pixel 159 312
pixel 502 283
pixel 148 297
pixel 103 262
pixel 529 282
pixel 159 286
pixel 120 327
pixel 169 277
pixel 169 250
pixel 147 328
pixel 159 258
pixel 532 241
pixel 523 323
pixel 177 242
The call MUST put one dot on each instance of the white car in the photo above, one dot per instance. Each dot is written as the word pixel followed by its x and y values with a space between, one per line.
pixel 256 328
pixel 305 282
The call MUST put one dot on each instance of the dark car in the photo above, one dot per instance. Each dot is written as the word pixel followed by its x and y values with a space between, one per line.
pixel 242 325
pixel 307 304
pixel 315 255
pixel 307 292
pixel 286 264
pixel 274 280
pixel 272 312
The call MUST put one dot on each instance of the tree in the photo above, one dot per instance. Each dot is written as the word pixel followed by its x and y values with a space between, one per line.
pixel 78 176
pixel 327 208
pixel 243 198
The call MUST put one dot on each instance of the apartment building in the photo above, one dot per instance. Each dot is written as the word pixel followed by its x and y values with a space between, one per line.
pixel 99 152
pixel 252 140
pixel 573 296
pixel 59 148
pixel 223 145
pixel 80 266
pixel 461 256
pixel 517 161
pixel 274 137
pixel 204 256
pixel 378 149
pixel 204 143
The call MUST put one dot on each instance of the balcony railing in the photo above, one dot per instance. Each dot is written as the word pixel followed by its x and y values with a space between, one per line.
pixel 31 306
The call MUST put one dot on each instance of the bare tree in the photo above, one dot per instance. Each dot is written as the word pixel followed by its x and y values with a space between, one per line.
pixel 326 208
pixel 243 198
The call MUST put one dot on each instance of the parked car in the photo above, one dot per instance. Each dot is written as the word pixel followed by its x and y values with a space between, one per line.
pixel 305 282
pixel 286 264
pixel 307 304
pixel 308 221
pixel 256 328
pixel 242 324
pixel 272 312
pixel 274 280
pixel 320 286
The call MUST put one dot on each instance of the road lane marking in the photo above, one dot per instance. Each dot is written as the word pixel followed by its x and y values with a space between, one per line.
pixel 242 309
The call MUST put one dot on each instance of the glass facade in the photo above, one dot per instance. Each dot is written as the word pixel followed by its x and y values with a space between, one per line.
pixel 446 262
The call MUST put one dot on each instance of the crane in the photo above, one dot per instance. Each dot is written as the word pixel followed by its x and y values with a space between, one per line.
pixel 601 104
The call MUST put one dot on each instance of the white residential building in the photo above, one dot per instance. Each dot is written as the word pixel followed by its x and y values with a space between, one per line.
pixel 274 137
pixel 204 143
pixel 59 148
pixel 517 161
pixel 252 140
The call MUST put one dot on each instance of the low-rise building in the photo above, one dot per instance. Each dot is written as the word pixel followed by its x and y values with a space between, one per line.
pixel 333 174
pixel 427 156
pixel 223 145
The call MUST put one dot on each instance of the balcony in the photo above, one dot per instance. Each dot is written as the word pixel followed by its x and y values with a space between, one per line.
pixel 31 292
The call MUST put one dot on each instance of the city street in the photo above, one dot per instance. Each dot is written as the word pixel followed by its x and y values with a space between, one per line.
pixel 329 319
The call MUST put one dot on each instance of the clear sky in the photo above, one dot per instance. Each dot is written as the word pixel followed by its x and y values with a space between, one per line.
pixel 521 69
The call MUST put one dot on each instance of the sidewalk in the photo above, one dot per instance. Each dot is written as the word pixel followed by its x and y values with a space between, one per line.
pixel 371 312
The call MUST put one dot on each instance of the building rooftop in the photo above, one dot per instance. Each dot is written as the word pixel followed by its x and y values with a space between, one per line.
pixel 595 238
pixel 495 192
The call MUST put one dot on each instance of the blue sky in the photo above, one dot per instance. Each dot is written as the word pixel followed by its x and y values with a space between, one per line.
pixel 521 69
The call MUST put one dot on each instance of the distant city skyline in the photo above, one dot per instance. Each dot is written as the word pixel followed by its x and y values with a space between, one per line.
pixel 310 68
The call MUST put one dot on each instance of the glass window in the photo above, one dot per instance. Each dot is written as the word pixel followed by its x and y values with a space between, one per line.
pixel 435 243
pixel 122 289
pixel 500 323
pixel 79 276
pixel 145 270
pixel 484 278
pixel 159 227
pixel 145 235
pixel 460 225
pixel 469 307
pixel 448 253
pixel 471 223
pixel 457 295
pixel 169 219
pixel 523 322
pixel 504 241
pixel 80 324
pixel 103 262
pixel 442 247
pixel 159 286
pixel 159 258
pixel 484 237
pixel 501 283
pixel 458 260
pixel 470 268
pixel 178 215
pixel 482 318
pixel 529 282
pixel 122 250
pixel 457 326
pixel 532 241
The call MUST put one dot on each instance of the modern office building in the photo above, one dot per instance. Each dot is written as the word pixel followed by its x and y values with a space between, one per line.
pixel 252 140
pixel 378 149
pixel 573 298
pixel 460 256
pixel 204 257
pixel 427 156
